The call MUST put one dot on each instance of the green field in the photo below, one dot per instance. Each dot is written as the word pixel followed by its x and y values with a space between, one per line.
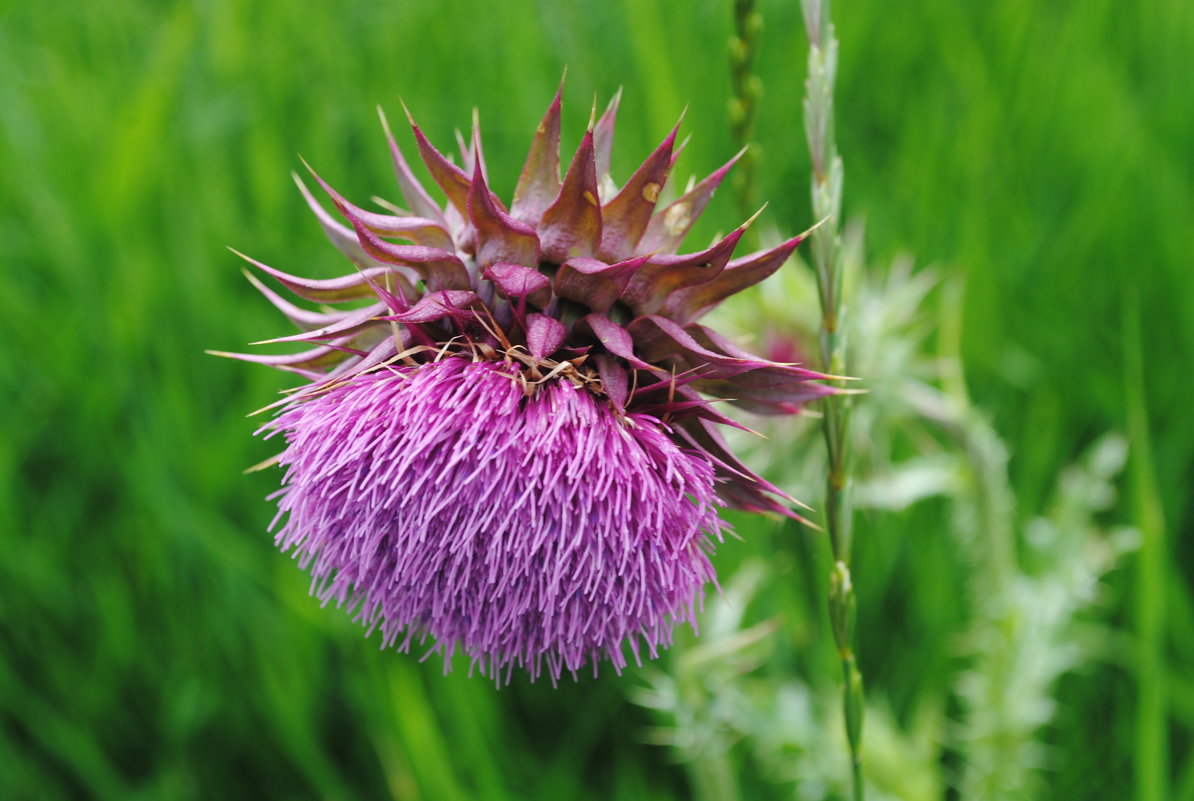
pixel 1026 628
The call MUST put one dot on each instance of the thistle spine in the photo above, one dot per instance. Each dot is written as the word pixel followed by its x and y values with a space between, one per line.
pixel 827 257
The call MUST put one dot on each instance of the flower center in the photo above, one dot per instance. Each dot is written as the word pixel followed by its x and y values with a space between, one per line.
pixel 532 373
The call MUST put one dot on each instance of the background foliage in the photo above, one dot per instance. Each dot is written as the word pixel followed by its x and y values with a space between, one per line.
pixel 156 646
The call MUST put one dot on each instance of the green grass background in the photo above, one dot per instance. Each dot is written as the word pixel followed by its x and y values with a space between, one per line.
pixel 154 644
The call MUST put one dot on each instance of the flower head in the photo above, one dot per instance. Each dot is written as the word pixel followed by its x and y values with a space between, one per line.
pixel 511 446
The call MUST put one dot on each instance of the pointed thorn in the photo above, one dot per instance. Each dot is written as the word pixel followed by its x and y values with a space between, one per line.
pixel 254 280
pixel 815 226
pixel 385 123
pixel 476 137
pixel 593 115
pixel 390 207
pixel 410 117
pixel 310 169
pixel 754 217
pixel 262 465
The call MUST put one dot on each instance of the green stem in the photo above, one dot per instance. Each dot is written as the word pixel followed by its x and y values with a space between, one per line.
pixel 827 257
pixel 1151 754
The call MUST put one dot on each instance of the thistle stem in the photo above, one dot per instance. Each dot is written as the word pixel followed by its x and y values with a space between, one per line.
pixel 827 257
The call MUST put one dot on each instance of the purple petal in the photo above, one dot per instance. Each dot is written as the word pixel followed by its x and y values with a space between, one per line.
pixel 683 404
pixel 349 323
pixel 545 335
pixel 625 217
pixel 501 238
pixel 340 235
pixel 715 341
pixel 571 226
pixel 314 359
pixel 539 183
pixel 417 199
pixel 418 230
pixel 603 134
pixel 649 290
pixel 467 159
pixel 381 352
pixel 614 337
pixel 679 149
pixel 766 388
pixel 456 304
pixel 740 487
pixel 475 156
pixel 439 268
pixel 685 305
pixel 516 281
pixel 415 229
pixel 752 498
pixel 304 319
pixel 593 282
pixel 615 381
pixel 668 228
pixel 329 290
pixel 453 180
pixel 659 339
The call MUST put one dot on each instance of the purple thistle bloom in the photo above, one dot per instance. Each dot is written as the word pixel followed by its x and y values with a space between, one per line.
pixel 512 447
pixel 440 499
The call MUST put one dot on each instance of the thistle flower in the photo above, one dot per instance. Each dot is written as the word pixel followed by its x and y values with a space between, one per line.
pixel 512 447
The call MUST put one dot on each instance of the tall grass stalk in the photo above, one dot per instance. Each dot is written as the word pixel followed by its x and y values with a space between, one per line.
pixel 747 90
pixel 1151 757
pixel 828 261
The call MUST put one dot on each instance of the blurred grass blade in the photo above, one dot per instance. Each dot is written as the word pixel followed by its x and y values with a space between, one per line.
pixel 1151 755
